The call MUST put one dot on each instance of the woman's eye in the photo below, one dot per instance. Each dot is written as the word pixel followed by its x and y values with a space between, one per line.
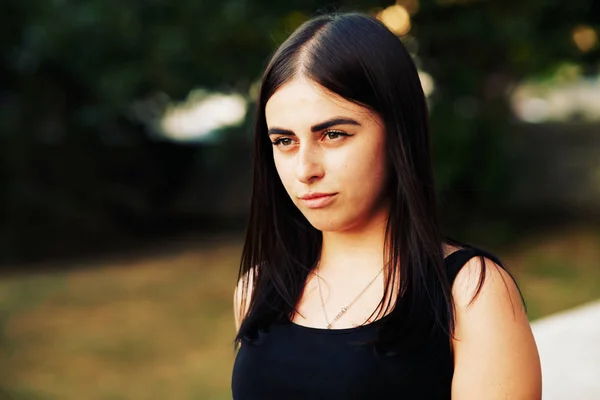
pixel 332 135
pixel 282 142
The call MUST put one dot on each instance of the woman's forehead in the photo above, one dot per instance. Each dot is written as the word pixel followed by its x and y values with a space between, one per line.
pixel 303 102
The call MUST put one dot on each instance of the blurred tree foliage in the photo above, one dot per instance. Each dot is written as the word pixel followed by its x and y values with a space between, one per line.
pixel 77 167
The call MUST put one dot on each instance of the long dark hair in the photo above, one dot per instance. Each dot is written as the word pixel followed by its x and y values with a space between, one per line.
pixel 358 58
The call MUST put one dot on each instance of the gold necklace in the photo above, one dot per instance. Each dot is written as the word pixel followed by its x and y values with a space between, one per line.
pixel 343 309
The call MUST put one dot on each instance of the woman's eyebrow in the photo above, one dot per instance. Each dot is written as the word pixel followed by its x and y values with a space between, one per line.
pixel 279 131
pixel 318 127
pixel 333 122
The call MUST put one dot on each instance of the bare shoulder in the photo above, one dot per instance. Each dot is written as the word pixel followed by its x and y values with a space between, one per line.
pixel 495 354
pixel 482 277
pixel 241 297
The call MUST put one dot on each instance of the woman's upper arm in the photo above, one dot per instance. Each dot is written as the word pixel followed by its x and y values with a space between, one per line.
pixel 495 355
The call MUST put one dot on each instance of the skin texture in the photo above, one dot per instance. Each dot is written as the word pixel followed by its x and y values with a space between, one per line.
pixel 345 159
pixel 495 353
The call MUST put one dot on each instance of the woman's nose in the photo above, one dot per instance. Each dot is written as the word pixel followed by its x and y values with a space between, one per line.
pixel 309 166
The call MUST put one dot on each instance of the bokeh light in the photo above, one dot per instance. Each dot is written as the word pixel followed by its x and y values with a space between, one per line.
pixel 396 18
pixel 202 114
pixel 585 38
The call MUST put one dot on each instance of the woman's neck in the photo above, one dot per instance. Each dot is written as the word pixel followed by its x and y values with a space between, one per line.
pixel 357 248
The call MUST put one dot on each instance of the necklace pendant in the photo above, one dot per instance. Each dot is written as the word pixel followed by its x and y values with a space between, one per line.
pixel 339 315
pixel 343 309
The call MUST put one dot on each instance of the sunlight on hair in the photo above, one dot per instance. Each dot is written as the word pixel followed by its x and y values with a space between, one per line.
pixel 585 38
pixel 396 18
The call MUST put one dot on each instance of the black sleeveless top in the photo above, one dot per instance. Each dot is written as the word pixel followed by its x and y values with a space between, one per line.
pixel 291 361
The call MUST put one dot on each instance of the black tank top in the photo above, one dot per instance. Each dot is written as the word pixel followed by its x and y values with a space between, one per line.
pixel 291 361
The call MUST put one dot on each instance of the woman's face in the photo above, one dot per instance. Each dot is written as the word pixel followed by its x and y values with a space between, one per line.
pixel 329 154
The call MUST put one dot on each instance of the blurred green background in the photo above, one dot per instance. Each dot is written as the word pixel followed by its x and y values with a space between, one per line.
pixel 125 171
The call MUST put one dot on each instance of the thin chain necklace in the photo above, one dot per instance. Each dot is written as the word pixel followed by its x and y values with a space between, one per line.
pixel 343 309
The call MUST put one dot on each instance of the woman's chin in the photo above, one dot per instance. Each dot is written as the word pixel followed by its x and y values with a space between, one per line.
pixel 328 223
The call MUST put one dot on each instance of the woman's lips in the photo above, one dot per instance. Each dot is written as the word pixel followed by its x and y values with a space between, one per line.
pixel 317 200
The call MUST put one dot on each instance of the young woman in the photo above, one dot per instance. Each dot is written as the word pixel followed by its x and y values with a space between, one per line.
pixel 347 287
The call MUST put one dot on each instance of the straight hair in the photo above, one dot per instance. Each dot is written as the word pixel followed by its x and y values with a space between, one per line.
pixel 356 57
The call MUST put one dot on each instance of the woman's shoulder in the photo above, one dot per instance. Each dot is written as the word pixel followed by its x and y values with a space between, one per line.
pixel 465 256
pixel 473 272
pixel 466 251
pixel 491 319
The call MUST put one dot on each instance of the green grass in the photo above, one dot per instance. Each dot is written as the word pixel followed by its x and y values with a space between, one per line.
pixel 557 272
pixel 161 326
pixel 152 328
